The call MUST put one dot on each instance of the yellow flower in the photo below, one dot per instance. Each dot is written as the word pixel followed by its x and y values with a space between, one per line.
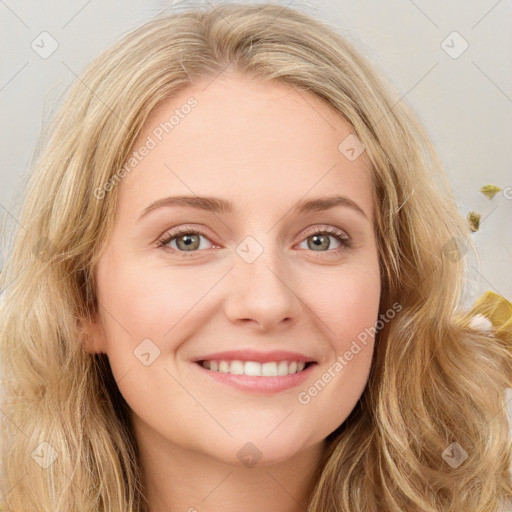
pixel 497 310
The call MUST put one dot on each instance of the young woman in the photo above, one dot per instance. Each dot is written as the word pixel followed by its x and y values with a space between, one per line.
pixel 238 286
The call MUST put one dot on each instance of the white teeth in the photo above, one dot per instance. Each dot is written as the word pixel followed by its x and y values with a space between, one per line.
pixel 269 369
pixel 237 367
pixel 282 368
pixel 252 368
pixel 255 369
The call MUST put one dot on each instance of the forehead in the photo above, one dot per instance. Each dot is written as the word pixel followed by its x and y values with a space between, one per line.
pixel 252 143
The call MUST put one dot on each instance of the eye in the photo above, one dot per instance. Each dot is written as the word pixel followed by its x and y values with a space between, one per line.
pixel 319 240
pixel 187 240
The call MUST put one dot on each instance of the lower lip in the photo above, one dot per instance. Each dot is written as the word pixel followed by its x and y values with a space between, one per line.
pixel 260 384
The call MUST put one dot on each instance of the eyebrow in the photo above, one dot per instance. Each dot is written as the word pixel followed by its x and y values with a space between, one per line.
pixel 218 205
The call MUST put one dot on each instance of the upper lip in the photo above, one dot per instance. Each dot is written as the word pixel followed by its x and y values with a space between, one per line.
pixel 254 355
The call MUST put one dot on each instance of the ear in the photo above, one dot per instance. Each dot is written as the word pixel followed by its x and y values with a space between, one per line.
pixel 92 335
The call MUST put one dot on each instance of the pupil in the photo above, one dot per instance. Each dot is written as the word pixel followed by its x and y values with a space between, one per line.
pixel 188 242
pixel 320 240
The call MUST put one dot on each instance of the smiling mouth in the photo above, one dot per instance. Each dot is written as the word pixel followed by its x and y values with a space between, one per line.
pixel 256 369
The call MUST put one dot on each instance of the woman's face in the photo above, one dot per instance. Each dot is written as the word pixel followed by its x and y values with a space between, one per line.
pixel 253 271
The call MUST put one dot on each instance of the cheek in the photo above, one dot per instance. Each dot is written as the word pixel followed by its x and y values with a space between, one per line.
pixel 147 303
pixel 347 301
pixel 141 313
pixel 348 304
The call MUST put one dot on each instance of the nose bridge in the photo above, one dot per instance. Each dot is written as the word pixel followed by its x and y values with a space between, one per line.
pixel 260 289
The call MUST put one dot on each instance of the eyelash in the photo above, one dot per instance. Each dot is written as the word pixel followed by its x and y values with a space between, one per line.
pixel 345 240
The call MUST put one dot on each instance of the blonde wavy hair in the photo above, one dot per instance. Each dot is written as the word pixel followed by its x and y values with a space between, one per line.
pixel 434 379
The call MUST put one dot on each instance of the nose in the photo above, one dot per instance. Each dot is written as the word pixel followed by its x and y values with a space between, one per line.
pixel 262 293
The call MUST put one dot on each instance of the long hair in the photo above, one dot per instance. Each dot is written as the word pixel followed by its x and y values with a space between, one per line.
pixel 436 389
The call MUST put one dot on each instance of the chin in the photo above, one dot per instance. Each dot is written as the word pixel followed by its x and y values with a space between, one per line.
pixel 250 451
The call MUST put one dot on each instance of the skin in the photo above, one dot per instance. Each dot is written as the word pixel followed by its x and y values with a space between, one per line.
pixel 264 147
